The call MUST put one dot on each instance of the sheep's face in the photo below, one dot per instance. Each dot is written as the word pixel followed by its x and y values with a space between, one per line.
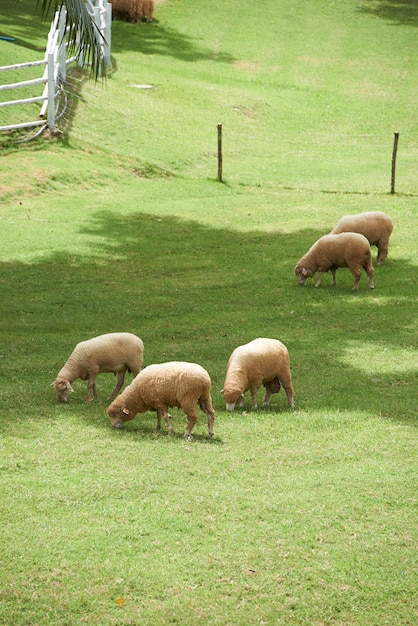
pixel 62 389
pixel 301 274
pixel 232 397
pixel 119 415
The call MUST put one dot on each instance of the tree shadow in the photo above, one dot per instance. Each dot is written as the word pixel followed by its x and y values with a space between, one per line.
pixel 22 20
pixel 149 39
pixel 401 12
pixel 194 293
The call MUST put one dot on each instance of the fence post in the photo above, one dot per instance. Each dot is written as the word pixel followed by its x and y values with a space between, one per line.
pixel 61 44
pixel 395 149
pixel 108 31
pixel 97 21
pixel 51 91
pixel 220 153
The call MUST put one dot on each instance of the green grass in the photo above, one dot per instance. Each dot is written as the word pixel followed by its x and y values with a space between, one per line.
pixel 304 517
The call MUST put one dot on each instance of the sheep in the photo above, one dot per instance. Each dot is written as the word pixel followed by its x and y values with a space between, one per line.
pixel 127 10
pixel 376 226
pixel 133 10
pixel 330 252
pixel 262 361
pixel 112 352
pixel 163 385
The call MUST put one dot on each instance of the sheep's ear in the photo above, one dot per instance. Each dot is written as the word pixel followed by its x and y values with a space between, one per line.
pixel 70 389
pixel 125 411
pixel 221 391
pixel 304 271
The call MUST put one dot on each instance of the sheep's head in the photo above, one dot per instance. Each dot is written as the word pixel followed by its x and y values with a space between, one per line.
pixel 62 389
pixel 232 396
pixel 119 414
pixel 301 274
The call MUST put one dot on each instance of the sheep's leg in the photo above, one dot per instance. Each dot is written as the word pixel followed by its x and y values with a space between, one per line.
pixel 206 406
pixel 121 378
pixel 192 417
pixel 211 421
pixel 166 416
pixel 253 392
pixel 382 251
pixel 290 398
pixel 370 273
pixel 267 397
pixel 91 389
pixel 334 276
pixel 357 276
pixel 288 387
pixel 318 280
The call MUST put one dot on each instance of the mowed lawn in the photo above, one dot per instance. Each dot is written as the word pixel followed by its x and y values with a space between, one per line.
pixel 285 517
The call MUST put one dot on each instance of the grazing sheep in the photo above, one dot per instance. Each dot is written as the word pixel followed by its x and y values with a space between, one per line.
pixel 330 252
pixel 376 226
pixel 113 352
pixel 162 385
pixel 127 10
pixel 133 10
pixel 259 362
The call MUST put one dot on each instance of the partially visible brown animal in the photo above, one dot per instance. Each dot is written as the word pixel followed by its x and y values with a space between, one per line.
pixel 376 226
pixel 147 10
pixel 133 10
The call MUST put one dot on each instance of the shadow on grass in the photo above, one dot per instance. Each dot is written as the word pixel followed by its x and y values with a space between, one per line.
pixel 146 431
pixel 401 12
pixel 194 293
pixel 22 21
pixel 154 38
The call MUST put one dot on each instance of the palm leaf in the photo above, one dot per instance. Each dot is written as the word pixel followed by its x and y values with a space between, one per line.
pixel 84 36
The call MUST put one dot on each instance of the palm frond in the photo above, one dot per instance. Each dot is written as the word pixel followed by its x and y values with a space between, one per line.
pixel 85 38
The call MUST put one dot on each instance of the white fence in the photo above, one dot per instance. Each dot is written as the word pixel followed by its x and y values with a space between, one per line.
pixel 55 62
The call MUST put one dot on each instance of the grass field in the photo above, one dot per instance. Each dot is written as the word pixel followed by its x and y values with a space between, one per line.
pixel 303 517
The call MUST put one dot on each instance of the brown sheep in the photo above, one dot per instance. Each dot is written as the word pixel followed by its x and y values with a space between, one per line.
pixel 330 252
pixel 133 10
pixel 262 361
pixel 376 226
pixel 113 352
pixel 162 385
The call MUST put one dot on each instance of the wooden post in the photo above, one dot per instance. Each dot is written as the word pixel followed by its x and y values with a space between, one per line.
pixel 220 153
pixel 395 149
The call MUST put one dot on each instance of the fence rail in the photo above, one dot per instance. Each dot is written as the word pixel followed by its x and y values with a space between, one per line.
pixel 56 62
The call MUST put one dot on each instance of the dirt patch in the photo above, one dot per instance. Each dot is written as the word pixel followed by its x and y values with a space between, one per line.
pixel 247 65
